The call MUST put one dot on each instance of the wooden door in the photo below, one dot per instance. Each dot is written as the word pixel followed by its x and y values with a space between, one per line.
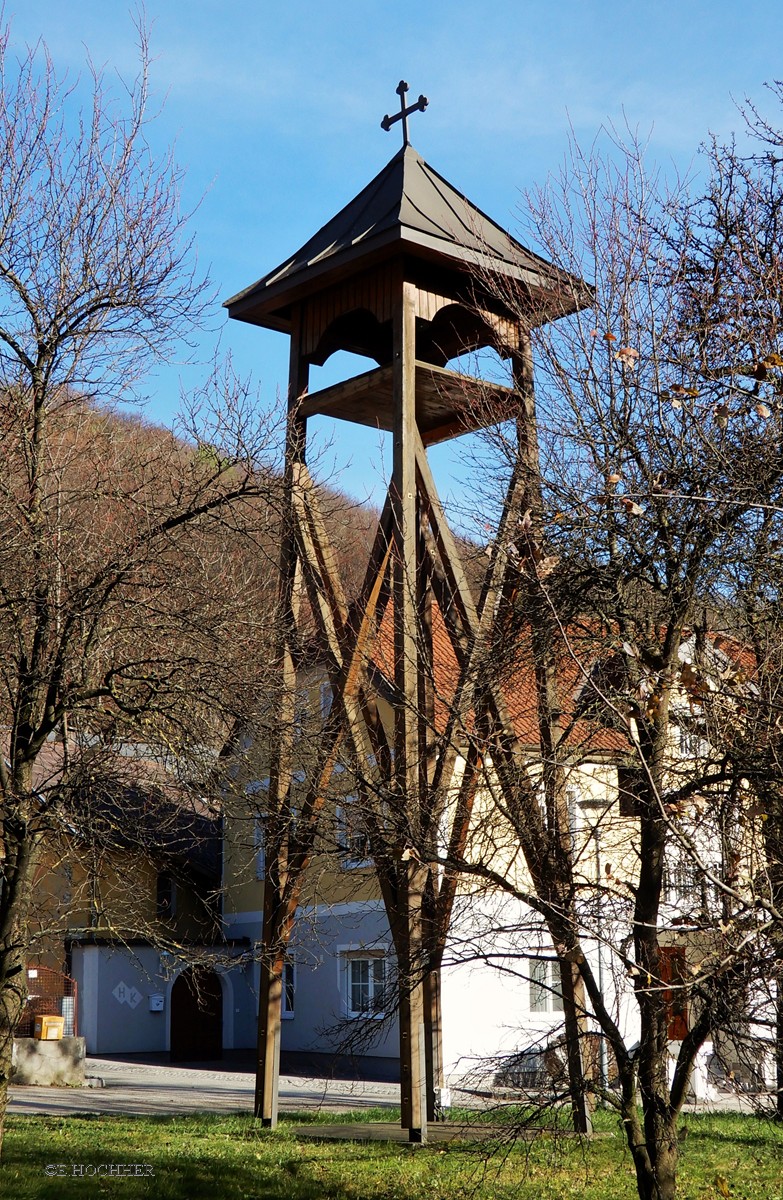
pixel 196 1016
pixel 673 973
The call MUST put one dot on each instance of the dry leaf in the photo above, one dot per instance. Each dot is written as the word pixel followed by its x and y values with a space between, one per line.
pixel 547 566
pixel 627 356
pixel 679 389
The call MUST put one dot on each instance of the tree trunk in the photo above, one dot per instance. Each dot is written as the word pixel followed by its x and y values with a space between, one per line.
pixel 13 995
pixel 656 1167
pixel 20 852
pixel 656 1172
pixel 654 1147
pixel 779 1044
pixel 574 1020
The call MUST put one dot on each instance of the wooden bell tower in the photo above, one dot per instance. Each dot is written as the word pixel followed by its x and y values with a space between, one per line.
pixel 409 275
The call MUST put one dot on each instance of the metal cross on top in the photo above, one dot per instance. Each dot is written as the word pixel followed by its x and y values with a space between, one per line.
pixel 404 112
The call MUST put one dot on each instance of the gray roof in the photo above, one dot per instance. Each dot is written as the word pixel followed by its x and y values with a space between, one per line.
pixel 410 207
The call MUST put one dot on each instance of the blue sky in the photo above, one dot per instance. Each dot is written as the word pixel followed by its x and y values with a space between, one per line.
pixel 275 109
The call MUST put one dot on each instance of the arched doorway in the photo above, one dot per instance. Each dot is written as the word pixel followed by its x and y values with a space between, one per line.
pixel 196 1016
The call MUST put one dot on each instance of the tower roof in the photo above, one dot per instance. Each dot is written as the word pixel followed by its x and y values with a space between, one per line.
pixel 408 208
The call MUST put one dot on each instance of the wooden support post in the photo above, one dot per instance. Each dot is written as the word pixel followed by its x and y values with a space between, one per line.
pixel 269 1010
pixel 275 928
pixel 433 1036
pixel 430 807
pixel 413 1068
pixel 407 750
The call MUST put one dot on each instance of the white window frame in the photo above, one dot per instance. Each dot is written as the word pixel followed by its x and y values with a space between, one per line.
pixel 259 823
pixel 354 856
pixel 691 743
pixel 545 995
pixel 377 980
pixel 259 846
pixel 573 807
pixel 325 699
pixel 685 885
pixel 288 1001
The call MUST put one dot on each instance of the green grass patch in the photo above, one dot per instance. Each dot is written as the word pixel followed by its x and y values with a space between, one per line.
pixel 231 1158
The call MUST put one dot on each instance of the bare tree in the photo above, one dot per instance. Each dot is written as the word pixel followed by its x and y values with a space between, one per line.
pixel 658 467
pixel 126 590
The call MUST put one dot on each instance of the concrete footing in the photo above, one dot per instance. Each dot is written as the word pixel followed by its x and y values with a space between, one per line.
pixel 49 1064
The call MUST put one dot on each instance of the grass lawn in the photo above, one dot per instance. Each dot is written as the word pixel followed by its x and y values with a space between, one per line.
pixel 230 1158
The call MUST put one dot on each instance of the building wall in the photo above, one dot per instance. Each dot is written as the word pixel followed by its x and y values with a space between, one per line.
pixel 489 1008
pixel 326 938
pixel 116 984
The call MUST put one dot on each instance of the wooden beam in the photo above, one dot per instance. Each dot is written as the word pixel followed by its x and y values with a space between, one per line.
pixel 468 626
pixel 281 763
pixel 358 389
pixel 348 652
pixel 407 750
pixel 447 404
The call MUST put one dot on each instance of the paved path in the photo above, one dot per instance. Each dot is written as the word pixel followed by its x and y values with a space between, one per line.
pixel 160 1088
pixel 148 1088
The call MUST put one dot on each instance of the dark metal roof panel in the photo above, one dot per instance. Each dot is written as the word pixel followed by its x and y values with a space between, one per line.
pixel 410 202
pixel 432 206
pixel 374 210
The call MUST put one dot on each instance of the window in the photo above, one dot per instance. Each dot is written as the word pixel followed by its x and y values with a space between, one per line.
pixel 166 896
pixel 259 839
pixel 302 711
pixel 691 744
pixel 545 993
pixel 686 886
pixel 289 989
pixel 259 787
pixel 630 786
pixel 365 985
pixel 325 697
pixel 573 797
pixel 681 881
pixel 352 838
